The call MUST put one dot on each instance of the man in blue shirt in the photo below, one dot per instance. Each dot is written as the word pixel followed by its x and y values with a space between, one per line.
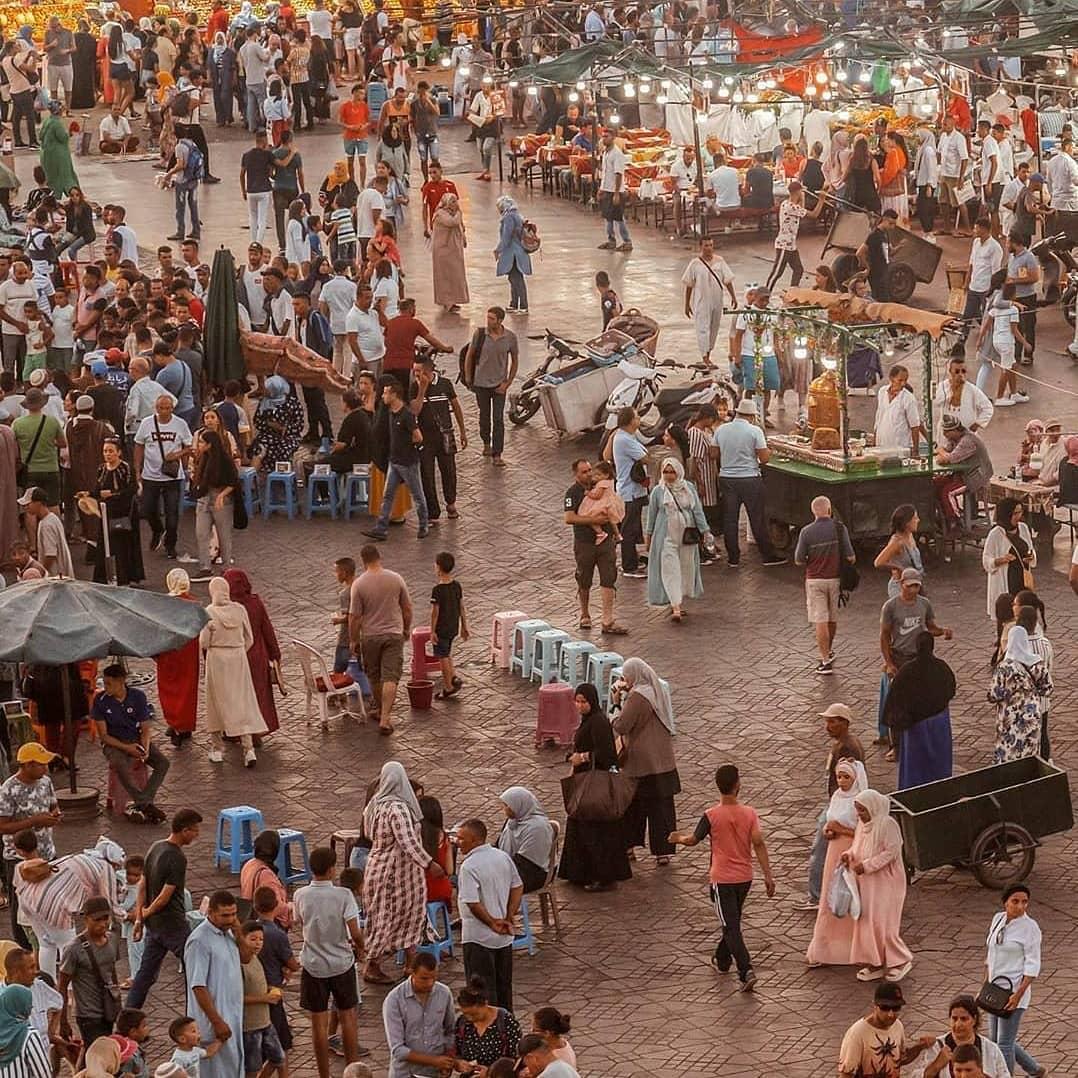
pixel 626 451
pixel 123 716
pixel 742 449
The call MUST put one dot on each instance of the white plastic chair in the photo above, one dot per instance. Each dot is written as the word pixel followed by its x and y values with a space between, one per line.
pixel 317 680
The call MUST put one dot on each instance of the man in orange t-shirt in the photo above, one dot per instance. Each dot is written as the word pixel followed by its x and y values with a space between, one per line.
pixel 355 117
pixel 433 191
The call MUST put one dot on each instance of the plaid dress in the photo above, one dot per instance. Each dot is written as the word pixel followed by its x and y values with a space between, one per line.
pixel 394 884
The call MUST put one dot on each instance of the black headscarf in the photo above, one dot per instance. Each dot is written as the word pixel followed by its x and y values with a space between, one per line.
pixel 595 734
pixel 921 689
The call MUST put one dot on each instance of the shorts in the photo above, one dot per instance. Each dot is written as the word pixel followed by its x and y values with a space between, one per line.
pixel 261 1046
pixel 992 196
pixel 748 372
pixel 821 600
pixel 383 657
pixel 315 992
pixel 427 147
pixel 590 556
pixel 948 191
pixel 49 483
pixel 352 146
pixel 1005 348
pixel 120 72
pixel 442 646
pixel 353 37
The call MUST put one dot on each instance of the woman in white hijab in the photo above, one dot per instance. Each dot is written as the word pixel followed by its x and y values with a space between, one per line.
pixel 1021 688
pixel 231 704
pixel 645 725
pixel 832 938
pixel 926 178
pixel 674 564
pixel 876 859
pixel 527 836
pixel 394 879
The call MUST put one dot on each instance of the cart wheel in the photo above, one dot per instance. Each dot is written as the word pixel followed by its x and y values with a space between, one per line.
pixel 900 282
pixel 781 535
pixel 844 267
pixel 524 409
pixel 1001 855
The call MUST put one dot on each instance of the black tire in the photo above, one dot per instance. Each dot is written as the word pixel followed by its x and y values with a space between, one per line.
pixel 524 408
pixel 899 282
pixel 1001 855
pixel 781 535
pixel 844 267
pixel 1067 303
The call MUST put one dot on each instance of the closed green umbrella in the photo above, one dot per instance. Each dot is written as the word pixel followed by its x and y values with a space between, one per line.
pixel 224 360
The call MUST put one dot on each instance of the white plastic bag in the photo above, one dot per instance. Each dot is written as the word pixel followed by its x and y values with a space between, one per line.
pixel 839 896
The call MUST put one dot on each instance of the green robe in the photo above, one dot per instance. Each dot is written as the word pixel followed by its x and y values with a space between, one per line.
pixel 56 156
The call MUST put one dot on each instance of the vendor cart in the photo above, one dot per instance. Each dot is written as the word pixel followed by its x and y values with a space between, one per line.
pixel 990 820
pixel 913 258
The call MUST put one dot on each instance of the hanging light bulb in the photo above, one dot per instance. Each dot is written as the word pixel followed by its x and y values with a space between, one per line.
pixel 801 348
pixel 842 74
pixel 821 78
pixel 533 91
pixel 888 348
pixel 738 97
pixel 661 99
pixel 1060 71
pixel 829 362
pixel 729 80
pixel 865 76
pixel 753 98
pixel 615 119
pixel 707 84
pixel 772 84
pixel 629 90
pixel 810 90
pixel 574 97
pixel 645 88
pixel 723 92
pixel 665 84
pixel 487 80
pixel 580 85
pixel 445 61
pixel 838 46
pixel 465 70
pixel 826 95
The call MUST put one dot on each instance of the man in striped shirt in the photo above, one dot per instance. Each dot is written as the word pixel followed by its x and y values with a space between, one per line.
pixel 703 468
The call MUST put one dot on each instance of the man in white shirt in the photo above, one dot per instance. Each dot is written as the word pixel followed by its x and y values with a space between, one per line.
pixel 666 42
pixel 683 171
pixel 985 259
pixel 364 333
pixel 906 89
pixel 370 205
pixel 15 293
pixel 954 164
pixel 320 22
pixel 114 133
pixel 162 443
pixel 704 279
pixel 52 548
pixel 594 26
pixel 249 282
pixel 988 167
pixel 142 395
pixel 255 60
pixel 1061 172
pixel 612 194
pixel 1008 199
pixel 335 301
pixel 723 185
pixel 962 399
pixel 121 234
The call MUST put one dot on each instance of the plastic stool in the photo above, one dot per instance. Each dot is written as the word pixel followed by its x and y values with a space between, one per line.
pixel 318 485
pixel 118 798
pixel 526 940
pixel 557 717
pixel 546 647
pixel 600 666
pixel 289 874
pixel 347 838
pixel 573 660
pixel 501 636
pixel 280 495
pixel 355 493
pixel 437 947
pixel 520 657
pixel 252 499
pixel 244 823
pixel 423 662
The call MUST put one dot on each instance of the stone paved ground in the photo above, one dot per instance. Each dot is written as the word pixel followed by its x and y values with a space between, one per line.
pixel 631 966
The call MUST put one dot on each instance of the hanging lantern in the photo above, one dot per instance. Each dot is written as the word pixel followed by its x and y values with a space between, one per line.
pixel 615 119
pixel 821 78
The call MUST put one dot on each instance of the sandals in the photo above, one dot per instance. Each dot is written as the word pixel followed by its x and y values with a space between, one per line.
pixel 615 629
pixel 867 973
pixel 584 623
pixel 445 694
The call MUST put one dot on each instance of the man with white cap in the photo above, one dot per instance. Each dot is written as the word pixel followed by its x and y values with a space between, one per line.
pixel 48 531
pixel 54 401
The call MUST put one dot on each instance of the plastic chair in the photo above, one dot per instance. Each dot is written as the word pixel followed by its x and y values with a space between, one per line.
pixel 573 656
pixel 280 495
pixel 520 657
pixel 317 486
pixel 546 647
pixel 244 823
pixel 557 717
pixel 444 944
pixel 326 687
pixel 356 492
pixel 424 662
pixel 293 840
pixel 601 665
pixel 548 905
pixel 501 636
pixel 252 498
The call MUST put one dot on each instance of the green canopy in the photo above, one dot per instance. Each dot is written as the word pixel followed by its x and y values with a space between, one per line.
pixel 599 61
pixel 224 360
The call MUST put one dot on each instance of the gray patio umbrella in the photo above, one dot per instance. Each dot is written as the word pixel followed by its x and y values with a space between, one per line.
pixel 54 622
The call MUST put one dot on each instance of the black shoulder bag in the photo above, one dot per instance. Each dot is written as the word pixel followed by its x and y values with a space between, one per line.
pixel 23 471
pixel 111 1004
pixel 848 576
pixel 171 468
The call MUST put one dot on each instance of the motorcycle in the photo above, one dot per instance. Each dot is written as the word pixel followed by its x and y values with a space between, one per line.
pixel 524 404
pixel 1059 273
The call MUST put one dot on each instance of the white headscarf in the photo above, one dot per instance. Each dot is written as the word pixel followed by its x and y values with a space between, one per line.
pixel 676 495
pixel 1018 649
pixel 881 831
pixel 393 785
pixel 528 832
pixel 642 678
pixel 107 850
pixel 841 809
pixel 178 582
pixel 221 608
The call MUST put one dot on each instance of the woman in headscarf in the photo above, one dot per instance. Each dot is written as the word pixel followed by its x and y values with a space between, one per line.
pixel 231 703
pixel 513 261
pixel 222 63
pixel 593 852
pixel 103 1059
pixel 392 151
pixel 24 1053
pixel 83 68
pixel 264 651
pixel 402 502
pixel 673 564
pixel 338 185
pixel 261 871
pixel 876 859
pixel 394 880
pixel 645 725
pixel 832 938
pixel 526 836
pixel 918 712
pixel 1019 685
pixel 115 489
pixel 926 178
pixel 838 157
pixel 278 423
pixel 447 243
pixel 177 672
pixel 55 152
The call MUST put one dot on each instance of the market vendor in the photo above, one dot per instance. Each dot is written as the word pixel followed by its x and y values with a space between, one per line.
pixel 961 446
pixel 569 125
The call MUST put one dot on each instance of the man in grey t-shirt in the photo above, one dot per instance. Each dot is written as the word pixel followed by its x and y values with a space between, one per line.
pixel 903 619
pixel 489 370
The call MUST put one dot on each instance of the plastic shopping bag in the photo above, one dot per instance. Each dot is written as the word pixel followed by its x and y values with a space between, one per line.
pixel 839 896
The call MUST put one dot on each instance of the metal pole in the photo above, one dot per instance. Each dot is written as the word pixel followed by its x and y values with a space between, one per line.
pixel 69 725
pixel 110 561
pixel 843 405
pixel 926 382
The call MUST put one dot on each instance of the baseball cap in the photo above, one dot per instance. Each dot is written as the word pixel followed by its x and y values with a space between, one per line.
pixel 1049 424
pixel 911 576
pixel 837 711
pixel 115 355
pixel 1037 177
pixel 34 494
pixel 888 992
pixel 33 752
pixel 99 368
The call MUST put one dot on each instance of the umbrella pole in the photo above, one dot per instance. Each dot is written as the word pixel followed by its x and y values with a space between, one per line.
pixel 110 561
pixel 69 725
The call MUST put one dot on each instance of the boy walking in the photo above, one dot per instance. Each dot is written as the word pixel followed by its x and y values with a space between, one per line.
pixel 447 619
pixel 262 1051
pixel 734 830
pixel 609 304
pixel 278 960
pixel 345 570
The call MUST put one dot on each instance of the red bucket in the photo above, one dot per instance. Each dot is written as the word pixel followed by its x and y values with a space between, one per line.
pixel 420 694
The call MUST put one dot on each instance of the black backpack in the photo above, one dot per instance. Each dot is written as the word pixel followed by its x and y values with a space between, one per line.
pixel 478 339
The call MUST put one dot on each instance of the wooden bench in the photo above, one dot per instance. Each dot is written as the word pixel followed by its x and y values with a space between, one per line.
pixel 710 222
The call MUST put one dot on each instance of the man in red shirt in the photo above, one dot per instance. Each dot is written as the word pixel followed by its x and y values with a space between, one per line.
pixel 401 333
pixel 735 832
pixel 218 21
pixel 433 191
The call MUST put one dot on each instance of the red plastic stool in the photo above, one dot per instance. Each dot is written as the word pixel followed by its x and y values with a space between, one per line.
pixel 118 798
pixel 424 663
pixel 558 717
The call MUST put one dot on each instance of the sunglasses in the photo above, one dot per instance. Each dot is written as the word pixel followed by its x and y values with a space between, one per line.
pixel 893 1007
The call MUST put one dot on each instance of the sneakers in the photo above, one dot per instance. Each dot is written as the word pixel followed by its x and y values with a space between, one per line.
pixel 157 539
pixel 135 814
pixel 376 535
pixel 625 248
pixel 749 983
pixel 186 559
pixel 827 667
pixel 217 756
pixel 636 574
pixel 422 533
pixel 1019 398
pixel 336 1045
pixel 807 906
pixel 249 758
pixel 1003 402
pixel 610 245
pixel 775 560
pixel 152 813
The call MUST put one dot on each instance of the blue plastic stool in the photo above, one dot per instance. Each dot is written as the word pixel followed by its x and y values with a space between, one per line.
pixel 356 493
pixel 299 873
pixel 526 940
pixel 280 494
pixel 573 659
pixel 252 499
pixel 546 648
pixel 244 823
pixel 523 635
pixel 601 665
pixel 318 485
pixel 436 947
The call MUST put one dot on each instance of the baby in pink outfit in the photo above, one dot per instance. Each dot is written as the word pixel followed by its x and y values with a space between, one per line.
pixel 601 498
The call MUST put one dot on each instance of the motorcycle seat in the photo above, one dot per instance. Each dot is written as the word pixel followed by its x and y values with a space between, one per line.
pixel 635 370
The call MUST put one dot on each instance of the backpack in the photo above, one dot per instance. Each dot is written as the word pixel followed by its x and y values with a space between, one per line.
pixel 529 237
pixel 478 339
pixel 195 169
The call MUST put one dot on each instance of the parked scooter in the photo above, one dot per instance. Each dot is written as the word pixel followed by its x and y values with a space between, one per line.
pixel 1059 273
pixel 525 403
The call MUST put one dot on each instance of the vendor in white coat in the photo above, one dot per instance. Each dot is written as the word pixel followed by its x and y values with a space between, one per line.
pixel 898 418
pixel 955 396
pixel 704 279
pixel 460 59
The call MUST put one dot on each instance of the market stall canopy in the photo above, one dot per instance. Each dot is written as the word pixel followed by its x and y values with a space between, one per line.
pixel 265 354
pixel 599 61
pixel 851 309
pixel 57 621
pixel 1052 9
pixel 224 361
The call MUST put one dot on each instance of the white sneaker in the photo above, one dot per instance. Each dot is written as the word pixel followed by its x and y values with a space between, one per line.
pixel 1004 402
pixel 217 756
pixel 249 758
pixel 1020 398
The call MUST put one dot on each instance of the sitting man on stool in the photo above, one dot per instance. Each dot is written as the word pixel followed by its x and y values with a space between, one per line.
pixel 114 134
pixel 123 718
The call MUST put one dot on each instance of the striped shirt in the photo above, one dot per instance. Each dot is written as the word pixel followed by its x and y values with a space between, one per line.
pixel 706 472
pixel 33 1061
pixel 74 879
pixel 346 226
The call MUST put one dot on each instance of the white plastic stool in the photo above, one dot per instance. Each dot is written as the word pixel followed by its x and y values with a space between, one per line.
pixel 501 636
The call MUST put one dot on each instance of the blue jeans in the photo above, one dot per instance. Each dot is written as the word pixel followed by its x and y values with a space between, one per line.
pixel 518 289
pixel 1004 1031
pixel 817 857
pixel 408 474
pixel 156 946
pixel 187 194
pixel 256 94
pixel 342 655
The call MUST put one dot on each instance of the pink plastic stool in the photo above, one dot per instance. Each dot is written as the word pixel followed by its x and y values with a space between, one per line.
pixel 501 636
pixel 118 798
pixel 423 662
pixel 558 717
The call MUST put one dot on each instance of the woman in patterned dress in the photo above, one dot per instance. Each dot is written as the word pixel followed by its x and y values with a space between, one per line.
pixel 394 880
pixel 1018 684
